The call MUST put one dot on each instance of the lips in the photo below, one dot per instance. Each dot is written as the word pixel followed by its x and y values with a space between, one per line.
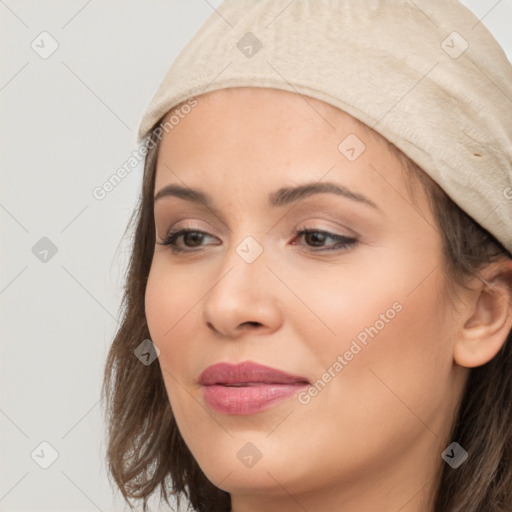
pixel 248 387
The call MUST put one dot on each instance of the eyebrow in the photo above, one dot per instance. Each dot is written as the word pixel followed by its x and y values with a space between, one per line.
pixel 280 197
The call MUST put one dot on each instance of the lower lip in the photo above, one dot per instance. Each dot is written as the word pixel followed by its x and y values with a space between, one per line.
pixel 243 400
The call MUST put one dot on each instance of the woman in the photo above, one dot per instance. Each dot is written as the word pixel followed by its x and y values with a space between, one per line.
pixel 318 308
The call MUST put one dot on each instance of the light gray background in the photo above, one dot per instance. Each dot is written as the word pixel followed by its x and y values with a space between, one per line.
pixel 67 123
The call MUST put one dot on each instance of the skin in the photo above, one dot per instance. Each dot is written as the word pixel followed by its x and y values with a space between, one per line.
pixel 371 439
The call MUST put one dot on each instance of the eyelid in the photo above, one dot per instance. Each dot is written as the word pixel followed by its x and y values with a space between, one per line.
pixel 338 230
pixel 309 223
pixel 189 223
pixel 342 243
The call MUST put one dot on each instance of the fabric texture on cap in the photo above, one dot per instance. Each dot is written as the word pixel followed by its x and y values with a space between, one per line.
pixel 427 75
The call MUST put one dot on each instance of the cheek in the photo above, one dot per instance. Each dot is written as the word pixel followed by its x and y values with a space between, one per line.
pixel 171 300
pixel 170 296
pixel 171 303
pixel 392 356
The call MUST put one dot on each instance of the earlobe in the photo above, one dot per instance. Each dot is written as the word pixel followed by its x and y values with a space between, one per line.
pixel 489 322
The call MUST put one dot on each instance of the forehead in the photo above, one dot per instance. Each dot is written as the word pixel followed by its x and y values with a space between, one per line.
pixel 285 105
pixel 269 120
pixel 254 138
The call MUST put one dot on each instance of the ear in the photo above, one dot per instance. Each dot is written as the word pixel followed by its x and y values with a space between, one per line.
pixel 487 319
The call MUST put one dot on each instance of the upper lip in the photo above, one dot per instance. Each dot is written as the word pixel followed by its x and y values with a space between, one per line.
pixel 247 372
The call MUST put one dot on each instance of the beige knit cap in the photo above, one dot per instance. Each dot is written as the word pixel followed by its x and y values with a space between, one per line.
pixel 425 74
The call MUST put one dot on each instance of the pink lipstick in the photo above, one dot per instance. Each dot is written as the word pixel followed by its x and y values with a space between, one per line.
pixel 248 387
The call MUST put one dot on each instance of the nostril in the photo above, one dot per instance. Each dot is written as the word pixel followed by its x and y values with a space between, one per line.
pixel 251 323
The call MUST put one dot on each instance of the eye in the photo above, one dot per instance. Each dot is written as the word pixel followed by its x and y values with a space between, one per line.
pixel 317 238
pixel 191 238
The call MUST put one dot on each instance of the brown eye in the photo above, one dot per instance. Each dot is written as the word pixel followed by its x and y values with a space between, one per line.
pixel 318 238
pixel 191 239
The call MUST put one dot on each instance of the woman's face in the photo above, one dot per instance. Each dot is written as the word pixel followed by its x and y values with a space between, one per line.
pixel 353 311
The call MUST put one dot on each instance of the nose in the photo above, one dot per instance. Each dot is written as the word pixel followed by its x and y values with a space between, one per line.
pixel 243 299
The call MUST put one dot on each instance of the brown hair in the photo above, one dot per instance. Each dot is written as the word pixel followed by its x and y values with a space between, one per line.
pixel 145 450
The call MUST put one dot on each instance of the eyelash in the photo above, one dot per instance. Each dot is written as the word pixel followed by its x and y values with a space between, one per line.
pixel 343 244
